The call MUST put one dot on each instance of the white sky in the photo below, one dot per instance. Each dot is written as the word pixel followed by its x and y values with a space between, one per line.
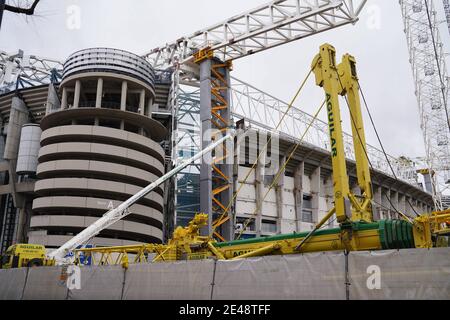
pixel 140 25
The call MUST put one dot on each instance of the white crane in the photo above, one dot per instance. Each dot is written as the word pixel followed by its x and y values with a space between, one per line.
pixel 121 211
pixel 427 59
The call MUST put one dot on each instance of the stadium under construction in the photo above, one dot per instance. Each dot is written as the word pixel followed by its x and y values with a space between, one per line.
pixel 79 137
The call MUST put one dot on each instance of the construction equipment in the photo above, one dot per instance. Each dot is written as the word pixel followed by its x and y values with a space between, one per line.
pixel 357 229
pixel 121 211
pixel 427 58
pixel 25 255
pixel 187 244
pixel 212 50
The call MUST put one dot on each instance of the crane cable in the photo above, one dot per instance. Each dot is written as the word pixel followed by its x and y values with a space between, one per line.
pixel 382 147
pixel 214 227
pixel 280 171
pixel 365 150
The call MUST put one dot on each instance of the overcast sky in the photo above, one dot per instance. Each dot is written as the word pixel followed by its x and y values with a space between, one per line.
pixel 377 41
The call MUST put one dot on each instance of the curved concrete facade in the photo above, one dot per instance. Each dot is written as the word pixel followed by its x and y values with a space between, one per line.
pixel 95 154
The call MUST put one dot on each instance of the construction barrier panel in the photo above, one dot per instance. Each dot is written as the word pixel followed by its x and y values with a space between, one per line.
pixel 294 277
pixel 405 274
pixel 183 280
pixel 99 283
pixel 45 284
pixel 12 283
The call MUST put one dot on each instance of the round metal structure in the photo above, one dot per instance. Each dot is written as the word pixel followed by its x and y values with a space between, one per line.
pixel 109 60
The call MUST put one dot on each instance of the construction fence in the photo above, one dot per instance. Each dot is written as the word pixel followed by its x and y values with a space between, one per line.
pixel 404 274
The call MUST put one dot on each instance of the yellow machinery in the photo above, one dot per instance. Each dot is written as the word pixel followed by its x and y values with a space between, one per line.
pixel 357 229
pixel 25 255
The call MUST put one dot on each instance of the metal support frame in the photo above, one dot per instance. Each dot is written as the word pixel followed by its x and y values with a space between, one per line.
pixel 267 26
pixel 20 71
pixel 216 174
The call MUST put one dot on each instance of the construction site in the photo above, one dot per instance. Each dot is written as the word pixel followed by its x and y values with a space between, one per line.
pixel 159 175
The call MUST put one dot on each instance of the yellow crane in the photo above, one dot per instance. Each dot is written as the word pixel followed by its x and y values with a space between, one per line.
pixel 357 230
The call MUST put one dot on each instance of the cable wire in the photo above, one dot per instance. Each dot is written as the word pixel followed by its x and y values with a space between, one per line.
pixel 280 171
pixel 366 153
pixel 382 148
pixel 222 216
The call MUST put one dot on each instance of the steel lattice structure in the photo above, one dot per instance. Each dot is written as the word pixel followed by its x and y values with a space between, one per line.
pixel 27 70
pixel 262 28
pixel 431 83
pixel 447 12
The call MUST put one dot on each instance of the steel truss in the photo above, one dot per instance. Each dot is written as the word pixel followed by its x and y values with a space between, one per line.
pixel 427 59
pixel 262 28
pixel 20 70
pixel 447 12
pixel 263 111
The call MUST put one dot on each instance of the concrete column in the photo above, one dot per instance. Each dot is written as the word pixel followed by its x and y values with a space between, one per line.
pixel 259 194
pixel 236 165
pixel 122 125
pixel 53 103
pixel 76 100
pixel 18 116
pixel 386 205
pixel 205 167
pixel 279 188
pixel 408 210
pixel 123 100
pixel 206 185
pixel 401 203
pixel 149 111
pixel 328 193
pixel 394 200
pixel 21 225
pixel 298 194
pixel 315 194
pixel 98 99
pixel 142 102
pixel 97 122
pixel 377 209
pixel 64 99
pixel 421 207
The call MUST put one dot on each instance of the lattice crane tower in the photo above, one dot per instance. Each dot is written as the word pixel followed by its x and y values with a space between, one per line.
pixel 431 87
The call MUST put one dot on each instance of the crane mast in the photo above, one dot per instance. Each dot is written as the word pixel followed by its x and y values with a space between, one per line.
pixel 342 80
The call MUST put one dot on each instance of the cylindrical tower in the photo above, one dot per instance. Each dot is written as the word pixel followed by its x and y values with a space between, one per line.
pixel 27 158
pixel 98 149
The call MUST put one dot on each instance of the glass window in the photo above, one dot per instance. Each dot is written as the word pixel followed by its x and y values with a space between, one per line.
pixel 307 215
pixel 307 201
pixel 269 226
pixel 243 221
